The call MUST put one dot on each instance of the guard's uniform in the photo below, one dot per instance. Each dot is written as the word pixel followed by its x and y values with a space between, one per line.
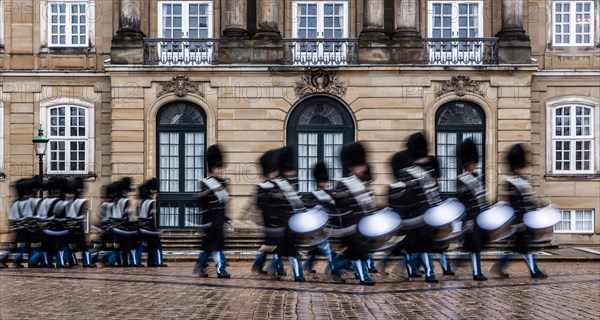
pixel 76 212
pixel 18 214
pixel 148 233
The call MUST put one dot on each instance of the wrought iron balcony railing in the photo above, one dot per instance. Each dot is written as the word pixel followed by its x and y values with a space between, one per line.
pixel 180 51
pixel 320 52
pixel 461 51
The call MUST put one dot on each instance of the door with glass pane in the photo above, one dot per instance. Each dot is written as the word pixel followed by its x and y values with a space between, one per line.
pixel 455 20
pixel 320 20
pixel 181 134
pixel 318 128
pixel 187 21
pixel 455 122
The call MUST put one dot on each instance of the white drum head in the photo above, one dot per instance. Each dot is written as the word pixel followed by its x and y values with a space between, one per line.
pixel 308 221
pixel 380 223
pixel 495 217
pixel 444 213
pixel 541 218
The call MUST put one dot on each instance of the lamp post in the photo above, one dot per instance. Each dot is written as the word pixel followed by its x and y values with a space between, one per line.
pixel 40 143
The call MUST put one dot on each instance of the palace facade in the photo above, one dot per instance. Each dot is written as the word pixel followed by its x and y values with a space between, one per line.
pixel 142 87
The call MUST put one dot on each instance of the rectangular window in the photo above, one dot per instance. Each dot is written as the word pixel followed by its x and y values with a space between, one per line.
pixel 575 221
pixel 573 23
pixel 573 139
pixel 69 139
pixel 67 24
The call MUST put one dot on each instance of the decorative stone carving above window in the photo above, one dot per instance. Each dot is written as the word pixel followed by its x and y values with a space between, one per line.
pixel 180 86
pixel 318 81
pixel 460 85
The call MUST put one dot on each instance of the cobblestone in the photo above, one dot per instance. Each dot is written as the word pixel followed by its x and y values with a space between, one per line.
pixel 571 292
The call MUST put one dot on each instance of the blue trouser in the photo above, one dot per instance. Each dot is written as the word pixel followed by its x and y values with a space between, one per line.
pixel 428 264
pixel 217 257
pixel 444 262
pixel 529 259
pixel 19 251
pixel 297 267
pixel 476 263
pixel 360 267
pixel 261 258
pixel 325 250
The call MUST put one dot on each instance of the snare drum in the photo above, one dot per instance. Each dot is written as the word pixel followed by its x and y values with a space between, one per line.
pixel 309 226
pixel 446 221
pixel 496 221
pixel 541 223
pixel 380 229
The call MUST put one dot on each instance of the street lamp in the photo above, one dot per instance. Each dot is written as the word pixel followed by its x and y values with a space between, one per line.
pixel 40 143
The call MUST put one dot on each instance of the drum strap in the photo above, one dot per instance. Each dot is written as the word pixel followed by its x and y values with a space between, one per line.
pixel 145 209
pixel 217 188
pixel 74 207
pixel 474 184
pixel 290 194
pixel 426 182
pixel 323 196
pixel 360 192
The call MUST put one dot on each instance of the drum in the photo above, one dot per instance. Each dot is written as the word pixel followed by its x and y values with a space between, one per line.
pixel 446 221
pixel 540 223
pixel 496 221
pixel 380 229
pixel 309 226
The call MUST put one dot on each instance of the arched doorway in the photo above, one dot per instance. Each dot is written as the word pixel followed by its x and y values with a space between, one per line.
pixel 181 143
pixel 317 128
pixel 455 122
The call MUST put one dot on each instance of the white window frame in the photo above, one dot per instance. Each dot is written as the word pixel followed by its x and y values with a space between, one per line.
pixel 551 106
pixel 45 34
pixel 572 220
pixel 572 24
pixel 2 22
pixel 185 14
pixel 320 15
pixel 45 108
pixel 455 24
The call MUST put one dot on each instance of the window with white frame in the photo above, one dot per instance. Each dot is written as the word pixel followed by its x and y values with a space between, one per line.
pixel 575 221
pixel 573 142
pixel 69 139
pixel 68 23
pixel 573 23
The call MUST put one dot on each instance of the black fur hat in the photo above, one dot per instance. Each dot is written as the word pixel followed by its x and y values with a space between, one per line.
pixel 152 185
pixel 143 191
pixel 286 159
pixel 111 190
pixel 268 162
pixel 214 157
pixel 352 154
pixel 468 152
pixel 400 160
pixel 124 185
pixel 320 172
pixel 56 185
pixel 24 187
pixel 417 146
pixel 516 157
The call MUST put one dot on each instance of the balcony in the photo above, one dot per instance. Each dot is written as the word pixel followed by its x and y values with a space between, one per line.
pixel 461 51
pixel 320 52
pixel 180 51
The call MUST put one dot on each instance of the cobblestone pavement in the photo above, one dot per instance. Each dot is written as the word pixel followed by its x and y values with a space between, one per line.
pixel 571 292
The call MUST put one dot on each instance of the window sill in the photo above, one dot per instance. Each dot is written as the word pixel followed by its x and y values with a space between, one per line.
pixel 572 177
pixel 571 48
pixel 68 50
pixel 581 233
pixel 88 177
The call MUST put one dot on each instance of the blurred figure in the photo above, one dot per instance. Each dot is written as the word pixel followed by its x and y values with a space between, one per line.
pixel 471 192
pixel 149 236
pixel 320 196
pixel 268 163
pixel 19 211
pixel 76 210
pixel 521 198
pixel 125 235
pixel 212 198
pixel 353 201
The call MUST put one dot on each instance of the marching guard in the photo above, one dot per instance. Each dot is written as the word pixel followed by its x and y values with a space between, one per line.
pixel 125 235
pixel 353 201
pixel 18 213
pixel 149 235
pixel 471 192
pixel 76 210
pixel 212 198
pixel 521 198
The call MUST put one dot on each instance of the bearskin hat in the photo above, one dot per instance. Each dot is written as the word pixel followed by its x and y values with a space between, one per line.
pixel 24 187
pixel 268 162
pixel 124 185
pixel 400 160
pixel 152 185
pixel 417 146
pixel 352 154
pixel 320 172
pixel 214 157
pixel 468 152
pixel 286 159
pixel 516 157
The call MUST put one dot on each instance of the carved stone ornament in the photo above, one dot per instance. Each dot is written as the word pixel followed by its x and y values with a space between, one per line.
pixel 317 81
pixel 460 85
pixel 180 86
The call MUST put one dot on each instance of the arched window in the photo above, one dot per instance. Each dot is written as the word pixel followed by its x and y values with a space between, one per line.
pixel 181 134
pixel 317 128
pixel 455 122
pixel 69 132
pixel 572 139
